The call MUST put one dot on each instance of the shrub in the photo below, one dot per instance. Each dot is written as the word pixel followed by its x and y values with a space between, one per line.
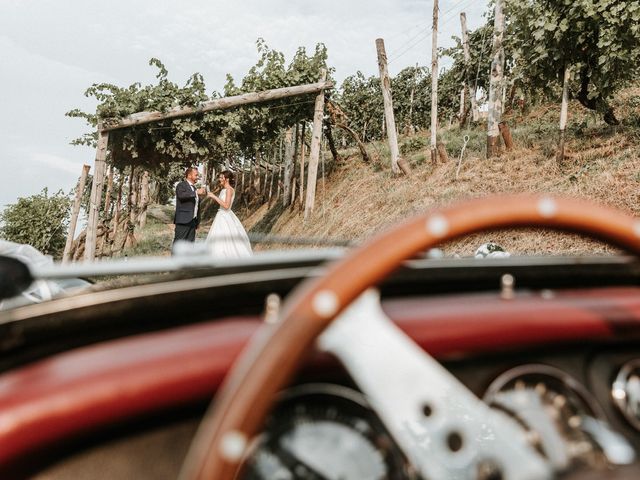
pixel 39 220
pixel 413 144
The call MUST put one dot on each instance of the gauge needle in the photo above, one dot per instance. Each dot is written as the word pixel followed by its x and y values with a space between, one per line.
pixel 294 464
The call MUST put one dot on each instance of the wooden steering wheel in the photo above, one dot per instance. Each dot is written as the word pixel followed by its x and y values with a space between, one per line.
pixel 271 358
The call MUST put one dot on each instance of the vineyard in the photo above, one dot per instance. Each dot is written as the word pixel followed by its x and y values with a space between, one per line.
pixel 356 200
pixel 601 164
pixel 528 68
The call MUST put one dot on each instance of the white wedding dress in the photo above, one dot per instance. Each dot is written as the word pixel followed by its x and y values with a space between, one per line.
pixel 227 237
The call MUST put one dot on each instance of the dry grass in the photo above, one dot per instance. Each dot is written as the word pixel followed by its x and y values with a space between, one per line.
pixel 250 220
pixel 602 164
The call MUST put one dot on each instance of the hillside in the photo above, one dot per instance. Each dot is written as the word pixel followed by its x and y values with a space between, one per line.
pixel 356 199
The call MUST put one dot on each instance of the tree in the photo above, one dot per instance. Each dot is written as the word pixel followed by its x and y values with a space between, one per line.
pixel 218 136
pixel 259 127
pixel 477 72
pixel 599 39
pixel 39 220
pixel 417 80
pixel 362 102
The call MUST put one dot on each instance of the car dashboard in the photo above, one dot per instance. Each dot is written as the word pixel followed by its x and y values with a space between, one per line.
pixel 577 403
pixel 558 355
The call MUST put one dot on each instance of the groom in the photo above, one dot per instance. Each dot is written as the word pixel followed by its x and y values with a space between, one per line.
pixel 186 216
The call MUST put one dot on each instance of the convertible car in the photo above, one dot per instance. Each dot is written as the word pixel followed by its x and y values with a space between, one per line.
pixel 371 363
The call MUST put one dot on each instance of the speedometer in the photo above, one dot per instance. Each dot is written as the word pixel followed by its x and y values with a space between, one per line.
pixel 325 432
pixel 563 420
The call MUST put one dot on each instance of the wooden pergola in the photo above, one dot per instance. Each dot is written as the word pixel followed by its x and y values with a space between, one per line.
pixel 142 118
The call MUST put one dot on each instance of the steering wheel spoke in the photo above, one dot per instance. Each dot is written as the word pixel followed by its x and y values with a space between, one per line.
pixel 443 428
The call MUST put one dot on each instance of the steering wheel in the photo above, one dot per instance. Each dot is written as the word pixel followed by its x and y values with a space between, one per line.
pixel 270 359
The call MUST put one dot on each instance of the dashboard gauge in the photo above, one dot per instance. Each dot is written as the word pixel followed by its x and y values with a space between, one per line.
pixel 625 392
pixel 324 432
pixel 563 421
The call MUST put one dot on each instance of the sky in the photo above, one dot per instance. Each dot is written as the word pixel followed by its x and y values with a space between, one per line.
pixel 51 51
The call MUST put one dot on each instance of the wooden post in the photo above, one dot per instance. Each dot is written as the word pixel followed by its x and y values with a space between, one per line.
pixel 434 84
pixel 564 110
pixel 273 174
pixel 280 164
pixel 442 153
pixel 205 172
pixel 288 167
pixel 253 175
pixel 296 143
pixel 279 181
pixel 103 239
pixel 462 106
pixel 302 130
pixel 257 163
pixel 118 207
pixel 143 201
pixel 324 190
pixel 107 197
pixel 412 129
pixel 132 208
pixel 506 135
pixel 108 206
pixel 130 193
pixel 142 118
pixel 294 183
pixel 314 154
pixel 121 233
pixel 495 97
pixel 467 61
pixel 265 182
pixel 504 94
pixel 212 177
pixel 66 256
pixel 250 178
pixel 397 163
pixel 96 194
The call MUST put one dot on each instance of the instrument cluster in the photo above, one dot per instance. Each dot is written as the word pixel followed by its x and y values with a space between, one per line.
pixel 325 432
pixel 625 392
pixel 328 431
pixel 563 420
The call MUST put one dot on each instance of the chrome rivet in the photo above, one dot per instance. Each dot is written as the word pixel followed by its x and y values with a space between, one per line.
pixel 272 308
pixel 325 303
pixel 233 446
pixel 438 226
pixel 507 282
pixel 547 207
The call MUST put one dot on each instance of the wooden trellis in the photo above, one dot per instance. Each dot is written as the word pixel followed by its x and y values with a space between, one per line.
pixel 142 118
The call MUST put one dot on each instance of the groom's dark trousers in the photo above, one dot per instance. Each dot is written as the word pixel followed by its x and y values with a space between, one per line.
pixel 185 220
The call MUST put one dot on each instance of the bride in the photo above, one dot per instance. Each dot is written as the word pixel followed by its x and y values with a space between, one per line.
pixel 227 237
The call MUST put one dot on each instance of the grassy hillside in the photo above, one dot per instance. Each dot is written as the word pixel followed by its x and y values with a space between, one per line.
pixel 357 199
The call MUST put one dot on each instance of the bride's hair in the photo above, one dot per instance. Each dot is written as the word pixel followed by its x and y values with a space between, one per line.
pixel 229 175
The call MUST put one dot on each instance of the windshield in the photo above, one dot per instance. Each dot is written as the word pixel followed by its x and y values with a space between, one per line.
pixel 215 133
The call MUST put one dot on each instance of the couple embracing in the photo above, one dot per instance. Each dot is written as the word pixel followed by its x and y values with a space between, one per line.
pixel 227 237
